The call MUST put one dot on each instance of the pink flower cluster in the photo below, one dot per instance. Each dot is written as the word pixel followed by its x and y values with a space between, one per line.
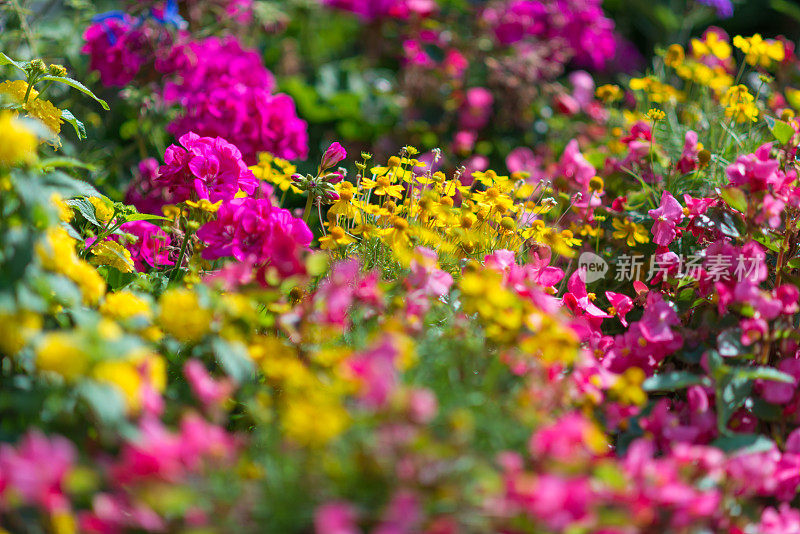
pixel 378 9
pixel 580 25
pixel 257 233
pixel 225 91
pixel 116 49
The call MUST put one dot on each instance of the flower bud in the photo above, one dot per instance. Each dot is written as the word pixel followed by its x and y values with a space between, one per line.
pixel 332 156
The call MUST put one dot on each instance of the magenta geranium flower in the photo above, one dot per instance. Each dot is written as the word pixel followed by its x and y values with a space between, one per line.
pixel 205 168
pixel 332 156
pixel 666 217
pixel 151 246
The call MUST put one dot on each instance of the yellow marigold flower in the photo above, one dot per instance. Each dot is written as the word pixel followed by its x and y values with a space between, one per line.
pixel 631 232
pixel 336 238
pixel 609 93
pixel 102 211
pixel 16 329
pixel 114 255
pixel 89 281
pixel 759 51
pixel 17 142
pixel 124 305
pixel 182 316
pixel 740 104
pixel 674 56
pixel 712 45
pixel 59 353
pixel 313 420
pixel 37 108
pixel 655 115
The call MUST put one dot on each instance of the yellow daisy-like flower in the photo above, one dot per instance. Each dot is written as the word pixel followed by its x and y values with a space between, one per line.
pixel 759 51
pixel 382 185
pixel 336 238
pixel 35 107
pixel 17 143
pixel 205 205
pixel 631 232
pixel 609 93
pixel 740 104
pixel 655 115
pixel 712 45
pixel 628 386
pixel 124 305
pixel 674 56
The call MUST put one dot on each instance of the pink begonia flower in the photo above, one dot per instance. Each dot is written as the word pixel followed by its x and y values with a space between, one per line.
pixel 332 156
pixel 523 159
pixel 622 304
pixel 577 299
pixel 771 210
pixel 688 161
pixel 36 468
pixel 754 171
pixel 657 319
pixel 464 141
pixel 422 405
pixel 583 88
pixel 667 216
pixel 425 275
pixel 753 329
pixel 205 168
pixel 338 517
pixel 403 515
pixel 564 441
pixel 783 520
pixel 574 166
pixel 566 104
pixel 781 392
pixel 375 372
pixel 151 247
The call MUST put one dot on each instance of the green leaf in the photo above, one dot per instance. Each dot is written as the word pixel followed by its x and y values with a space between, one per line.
pixel 86 209
pixel 744 443
pixel 234 359
pixel 735 198
pixel 762 373
pixel 105 400
pixel 145 217
pixel 67 186
pixel 673 381
pixel 77 125
pixel 5 60
pixel 729 343
pixel 732 392
pixel 64 162
pixel 77 85
pixel 781 130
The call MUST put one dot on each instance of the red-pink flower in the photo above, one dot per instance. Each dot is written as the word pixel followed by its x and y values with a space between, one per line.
pixel 666 217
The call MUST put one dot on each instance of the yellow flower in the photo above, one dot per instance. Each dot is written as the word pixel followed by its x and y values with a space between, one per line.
pixel 344 206
pixel 65 212
pixel 17 142
pixel 740 104
pixel 655 115
pixel 397 233
pixel 631 232
pixel 674 56
pixel 205 205
pixel 38 108
pixel 759 51
pixel 59 353
pixel 382 185
pixel 102 211
pixel 16 329
pixel 313 419
pixel 91 284
pixel 124 305
pixel 712 45
pixel 182 316
pixel 336 238
pixel 112 254
pixel 609 93
pixel 628 386
pixel 124 376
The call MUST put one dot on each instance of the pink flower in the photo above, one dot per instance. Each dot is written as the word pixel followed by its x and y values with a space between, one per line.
pixel 205 168
pixel 115 49
pixel 476 109
pixel 36 468
pixel 755 171
pixel 666 217
pixel 622 304
pixel 688 161
pixel 209 392
pixel 150 248
pixel 332 156
pixel 337 517
pixel 784 520
pixel 145 192
pixel 375 372
pixel 657 319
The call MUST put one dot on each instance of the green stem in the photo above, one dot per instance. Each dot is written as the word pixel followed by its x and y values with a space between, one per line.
pixel 174 274
pixel 309 205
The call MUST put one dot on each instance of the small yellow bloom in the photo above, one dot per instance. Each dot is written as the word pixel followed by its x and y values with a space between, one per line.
pixel 655 115
pixel 37 108
pixel 59 353
pixel 759 51
pixel 674 56
pixel 102 210
pixel 182 316
pixel 740 104
pixel 712 45
pixel 609 93
pixel 16 329
pixel 124 305
pixel 628 387
pixel 631 232
pixel 112 254
pixel 336 238
pixel 17 142
pixel 205 205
